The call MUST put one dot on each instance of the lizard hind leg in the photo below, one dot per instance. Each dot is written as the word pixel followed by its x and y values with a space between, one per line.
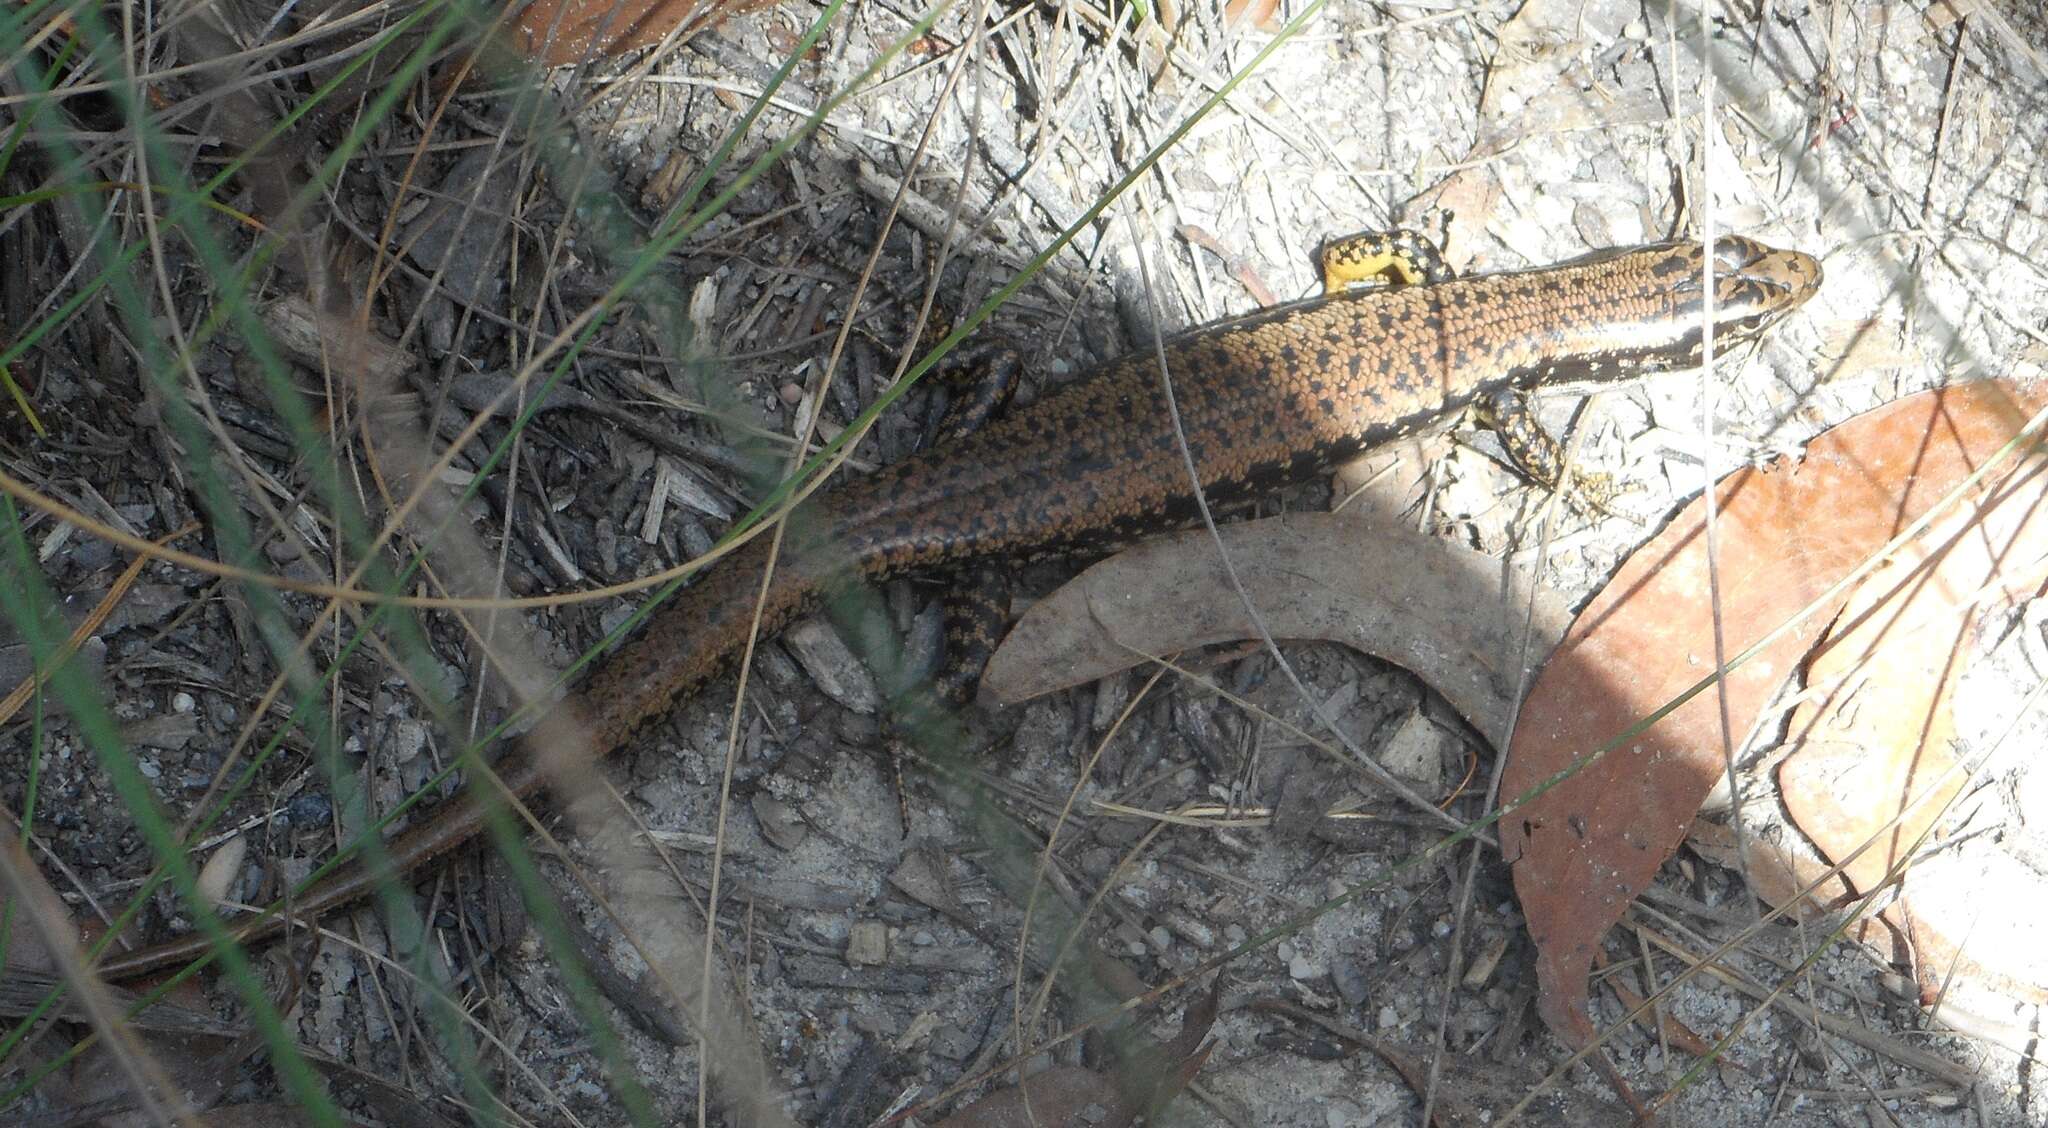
pixel 976 609
pixel 980 389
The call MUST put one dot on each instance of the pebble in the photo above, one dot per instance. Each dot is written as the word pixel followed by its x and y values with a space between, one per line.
pixel 867 945
pixel 952 1043
pixel 1352 985
pixel 780 823
pixel 1192 931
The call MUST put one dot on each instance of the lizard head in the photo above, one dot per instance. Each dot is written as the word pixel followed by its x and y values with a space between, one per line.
pixel 1755 285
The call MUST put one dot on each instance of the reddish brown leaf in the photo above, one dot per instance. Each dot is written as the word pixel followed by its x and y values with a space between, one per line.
pixel 558 33
pixel 1873 763
pixel 1584 849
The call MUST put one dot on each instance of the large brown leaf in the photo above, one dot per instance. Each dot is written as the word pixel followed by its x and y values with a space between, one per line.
pixel 1787 533
pixel 1873 773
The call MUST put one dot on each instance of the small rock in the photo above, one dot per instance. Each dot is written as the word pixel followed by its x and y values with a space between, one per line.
pixel 831 663
pixel 1191 930
pixel 780 823
pixel 1098 861
pixel 1111 695
pixel 407 740
pixel 1416 753
pixel 612 618
pixel 311 809
pixel 867 945
pixel 952 1043
pixel 1352 985
pixel 217 876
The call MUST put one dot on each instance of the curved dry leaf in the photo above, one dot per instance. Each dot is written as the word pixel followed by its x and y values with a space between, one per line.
pixel 1421 602
pixel 1787 532
pixel 1873 762
pixel 557 33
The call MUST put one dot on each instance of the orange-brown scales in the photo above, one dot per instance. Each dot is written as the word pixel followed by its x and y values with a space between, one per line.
pixel 1266 400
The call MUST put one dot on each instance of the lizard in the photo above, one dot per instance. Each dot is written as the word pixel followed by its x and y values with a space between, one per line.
pixel 1265 400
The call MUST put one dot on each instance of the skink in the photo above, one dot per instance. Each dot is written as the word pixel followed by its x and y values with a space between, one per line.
pixel 1266 400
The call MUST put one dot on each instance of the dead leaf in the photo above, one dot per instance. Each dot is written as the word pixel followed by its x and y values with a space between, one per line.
pixel 1420 602
pixel 1584 849
pixel 558 33
pixel 1873 764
